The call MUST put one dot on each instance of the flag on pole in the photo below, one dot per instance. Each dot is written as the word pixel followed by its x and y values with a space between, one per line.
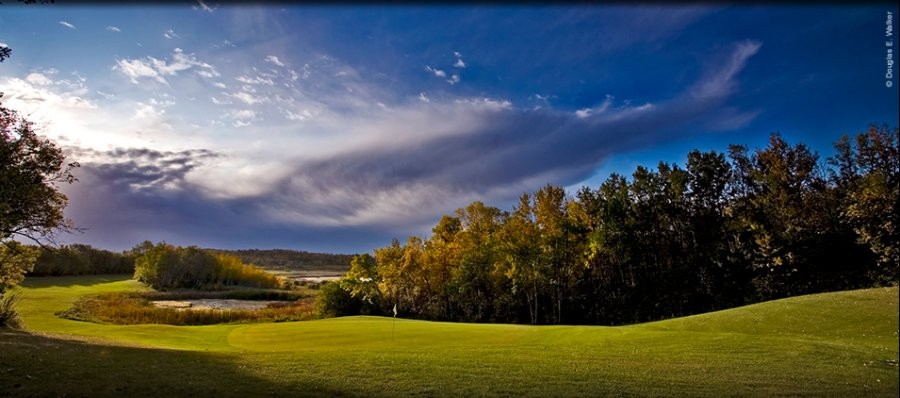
pixel 394 324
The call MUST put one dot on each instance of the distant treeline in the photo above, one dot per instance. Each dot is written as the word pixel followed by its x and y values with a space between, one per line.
pixel 82 259
pixel 724 231
pixel 290 259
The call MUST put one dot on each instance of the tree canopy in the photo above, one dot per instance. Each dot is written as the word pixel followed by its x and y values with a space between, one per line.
pixel 723 231
pixel 31 207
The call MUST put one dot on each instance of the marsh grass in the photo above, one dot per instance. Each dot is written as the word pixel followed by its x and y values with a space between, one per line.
pixel 137 308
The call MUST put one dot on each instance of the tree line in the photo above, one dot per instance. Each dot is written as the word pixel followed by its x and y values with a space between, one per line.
pixel 725 230
pixel 290 259
pixel 83 259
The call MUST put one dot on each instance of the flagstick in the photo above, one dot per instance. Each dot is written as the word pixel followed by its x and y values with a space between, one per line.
pixel 394 325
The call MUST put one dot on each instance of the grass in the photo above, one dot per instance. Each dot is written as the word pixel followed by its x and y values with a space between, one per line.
pixel 836 344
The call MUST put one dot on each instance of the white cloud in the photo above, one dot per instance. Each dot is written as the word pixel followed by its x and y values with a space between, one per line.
pixel 720 82
pixel 113 29
pixel 485 103
pixel 255 80
pixel 459 61
pixel 38 78
pixel 437 72
pixel 273 59
pixel 248 98
pixel 242 118
pixel 204 7
pixel 170 34
pixel 583 113
pixel 108 96
pixel 135 68
pixel 225 43
pixel 453 79
pixel 147 111
pixel 208 74
pixel 423 98
pixel 68 25
pixel 302 115
pixel 217 101
pixel 154 68
pixel 220 85
pixel 603 107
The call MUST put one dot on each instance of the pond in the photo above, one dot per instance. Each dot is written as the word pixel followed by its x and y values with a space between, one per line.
pixel 214 304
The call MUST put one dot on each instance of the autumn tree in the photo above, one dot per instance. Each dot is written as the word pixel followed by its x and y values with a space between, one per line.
pixel 868 174
pixel 362 280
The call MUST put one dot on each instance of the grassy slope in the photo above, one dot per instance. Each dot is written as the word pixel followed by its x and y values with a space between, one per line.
pixel 838 344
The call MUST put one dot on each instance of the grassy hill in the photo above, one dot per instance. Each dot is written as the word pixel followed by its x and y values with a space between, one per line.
pixel 835 344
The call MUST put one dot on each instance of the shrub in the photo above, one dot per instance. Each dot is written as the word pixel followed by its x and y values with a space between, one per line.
pixel 8 315
pixel 164 266
pixel 335 301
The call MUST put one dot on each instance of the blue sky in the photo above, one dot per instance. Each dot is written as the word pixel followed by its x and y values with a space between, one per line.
pixel 338 128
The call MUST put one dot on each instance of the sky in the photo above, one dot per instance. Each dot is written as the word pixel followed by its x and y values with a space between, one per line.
pixel 336 129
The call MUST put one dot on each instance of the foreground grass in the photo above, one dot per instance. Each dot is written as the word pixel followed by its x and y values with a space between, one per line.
pixel 838 344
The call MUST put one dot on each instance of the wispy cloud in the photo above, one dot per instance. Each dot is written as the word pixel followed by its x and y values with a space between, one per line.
pixel 274 60
pixel 157 69
pixel 720 80
pixel 243 117
pixel 113 29
pixel 67 24
pixel 170 34
pixel 201 5
pixel 255 80
pixel 248 98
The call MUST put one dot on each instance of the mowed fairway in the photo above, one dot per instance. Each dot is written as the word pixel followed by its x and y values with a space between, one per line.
pixel 836 344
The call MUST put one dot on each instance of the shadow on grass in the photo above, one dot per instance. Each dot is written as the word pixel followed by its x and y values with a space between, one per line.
pixel 38 366
pixel 69 281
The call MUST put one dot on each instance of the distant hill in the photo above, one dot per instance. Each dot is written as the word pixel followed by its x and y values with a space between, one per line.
pixel 296 262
